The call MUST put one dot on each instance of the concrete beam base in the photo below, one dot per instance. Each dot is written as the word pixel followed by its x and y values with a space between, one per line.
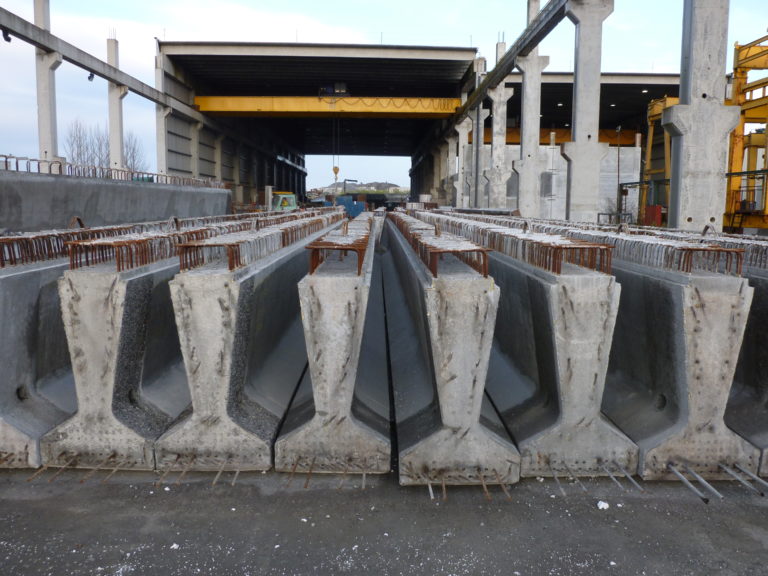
pixel 36 384
pixel 241 358
pixel 674 354
pixel 329 437
pixel 583 178
pixel 549 364
pixel 121 346
pixel 747 410
pixel 440 342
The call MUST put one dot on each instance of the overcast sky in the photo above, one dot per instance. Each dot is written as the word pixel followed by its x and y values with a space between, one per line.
pixel 640 36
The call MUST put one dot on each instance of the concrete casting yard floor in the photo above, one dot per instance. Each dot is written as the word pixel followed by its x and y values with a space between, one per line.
pixel 262 525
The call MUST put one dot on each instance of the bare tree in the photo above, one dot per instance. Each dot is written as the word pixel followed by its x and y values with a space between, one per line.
pixel 90 147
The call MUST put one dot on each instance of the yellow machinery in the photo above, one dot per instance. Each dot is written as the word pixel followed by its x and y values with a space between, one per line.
pixel 746 203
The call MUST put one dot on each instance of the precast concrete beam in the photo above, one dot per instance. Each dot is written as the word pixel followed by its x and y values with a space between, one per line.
pixel 674 353
pixel 700 124
pixel 440 332
pixel 127 366
pixel 548 367
pixel 36 384
pixel 323 432
pixel 241 357
pixel 499 173
pixel 747 410
pixel 585 153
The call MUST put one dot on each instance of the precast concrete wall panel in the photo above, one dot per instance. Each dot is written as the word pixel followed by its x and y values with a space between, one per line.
pixel 548 367
pixel 36 384
pixel 671 369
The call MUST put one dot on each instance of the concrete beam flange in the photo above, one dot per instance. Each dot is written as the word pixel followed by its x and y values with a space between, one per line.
pixel 241 360
pixel 747 410
pixel 549 364
pixel 37 390
pixel 440 331
pixel 328 436
pixel 674 354
pixel 125 358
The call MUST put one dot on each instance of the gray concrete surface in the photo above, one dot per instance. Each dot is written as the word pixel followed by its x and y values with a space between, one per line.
pixel 241 364
pixel 328 436
pixel 263 526
pixel 41 202
pixel 747 410
pixel 122 342
pixel 547 372
pixel 674 353
pixel 440 331
pixel 37 390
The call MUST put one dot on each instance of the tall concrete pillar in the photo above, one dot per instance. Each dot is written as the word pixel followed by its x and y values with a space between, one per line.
pixel 463 171
pixel 699 125
pixel 446 156
pixel 585 152
pixel 532 162
pixel 46 64
pixel 449 183
pixel 218 157
pixel 499 173
pixel 194 149
pixel 434 182
pixel 115 95
pixel 476 196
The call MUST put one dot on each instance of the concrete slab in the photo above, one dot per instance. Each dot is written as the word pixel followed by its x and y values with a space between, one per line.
pixel 36 384
pixel 326 435
pixel 548 366
pixel 241 364
pixel 120 341
pixel 672 364
pixel 440 334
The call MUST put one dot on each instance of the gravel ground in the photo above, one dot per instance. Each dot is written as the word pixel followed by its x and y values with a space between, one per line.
pixel 266 525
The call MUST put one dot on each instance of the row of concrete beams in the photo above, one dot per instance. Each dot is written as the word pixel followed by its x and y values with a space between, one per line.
pixel 38 376
pixel 696 179
pixel 310 106
pixel 683 311
pixel 52 51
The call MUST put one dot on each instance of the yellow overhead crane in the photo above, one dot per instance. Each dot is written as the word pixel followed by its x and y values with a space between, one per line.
pixel 746 203
pixel 332 106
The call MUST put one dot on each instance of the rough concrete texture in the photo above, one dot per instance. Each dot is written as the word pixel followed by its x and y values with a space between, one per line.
pixel 106 317
pixel 701 123
pixel 747 410
pixel 241 358
pixel 672 364
pixel 443 436
pixel 334 302
pixel 585 153
pixel 36 383
pixel 265 526
pixel 549 364
pixel 41 202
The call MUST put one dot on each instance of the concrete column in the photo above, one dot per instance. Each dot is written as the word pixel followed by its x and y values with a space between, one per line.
pixel 46 64
pixel 461 185
pixel 115 95
pixel 699 125
pixel 585 152
pixel 532 162
pixel 194 149
pixel 477 198
pixel 218 155
pixel 449 164
pixel 499 173
pixel 435 172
